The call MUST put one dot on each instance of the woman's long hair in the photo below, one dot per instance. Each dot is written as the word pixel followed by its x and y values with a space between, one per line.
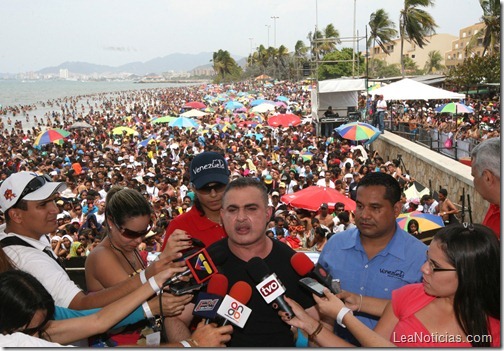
pixel 475 253
pixel 21 296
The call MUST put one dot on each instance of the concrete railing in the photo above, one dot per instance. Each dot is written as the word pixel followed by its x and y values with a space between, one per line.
pixel 425 164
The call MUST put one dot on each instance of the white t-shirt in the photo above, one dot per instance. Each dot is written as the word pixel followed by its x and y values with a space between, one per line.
pixel 18 339
pixel 47 271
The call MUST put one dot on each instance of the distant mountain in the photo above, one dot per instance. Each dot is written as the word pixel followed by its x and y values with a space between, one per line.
pixel 173 62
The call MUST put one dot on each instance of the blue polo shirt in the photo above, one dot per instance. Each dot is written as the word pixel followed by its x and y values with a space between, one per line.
pixel 398 264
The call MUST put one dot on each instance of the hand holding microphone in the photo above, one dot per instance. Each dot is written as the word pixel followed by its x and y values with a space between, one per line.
pixel 268 285
pixel 305 268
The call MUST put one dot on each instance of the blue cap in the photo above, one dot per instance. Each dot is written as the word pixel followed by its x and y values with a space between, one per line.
pixel 209 167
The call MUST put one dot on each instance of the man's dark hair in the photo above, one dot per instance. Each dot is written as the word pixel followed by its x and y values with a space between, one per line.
pixel 245 182
pixel 392 188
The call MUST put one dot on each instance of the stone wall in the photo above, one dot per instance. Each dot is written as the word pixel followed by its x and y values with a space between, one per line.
pixel 442 171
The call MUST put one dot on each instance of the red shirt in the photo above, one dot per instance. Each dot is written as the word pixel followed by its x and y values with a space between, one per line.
pixel 492 219
pixel 197 226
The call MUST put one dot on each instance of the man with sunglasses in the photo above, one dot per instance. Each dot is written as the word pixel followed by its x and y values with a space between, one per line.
pixel 209 175
pixel 28 202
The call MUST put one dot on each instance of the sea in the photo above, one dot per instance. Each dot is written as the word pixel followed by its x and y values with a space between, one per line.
pixel 35 92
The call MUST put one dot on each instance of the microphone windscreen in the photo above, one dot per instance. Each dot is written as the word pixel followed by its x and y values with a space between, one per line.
pixel 301 263
pixel 257 269
pixel 218 254
pixel 241 291
pixel 218 285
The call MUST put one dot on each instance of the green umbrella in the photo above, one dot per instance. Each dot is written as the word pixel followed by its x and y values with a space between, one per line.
pixel 164 119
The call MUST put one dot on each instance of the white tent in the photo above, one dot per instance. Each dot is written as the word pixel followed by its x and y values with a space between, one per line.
pixel 339 93
pixel 408 89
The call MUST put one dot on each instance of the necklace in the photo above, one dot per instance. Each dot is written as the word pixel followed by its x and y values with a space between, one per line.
pixel 137 255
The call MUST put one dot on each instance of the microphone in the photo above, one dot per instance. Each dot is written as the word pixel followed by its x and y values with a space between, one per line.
pixel 305 267
pixel 233 308
pixel 207 303
pixel 200 265
pixel 269 286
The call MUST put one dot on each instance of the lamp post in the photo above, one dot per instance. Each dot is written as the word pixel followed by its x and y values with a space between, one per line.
pixel 268 26
pixel 274 29
pixel 251 39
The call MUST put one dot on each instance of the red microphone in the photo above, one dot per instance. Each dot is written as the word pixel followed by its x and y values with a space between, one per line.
pixel 218 285
pixel 241 291
pixel 233 308
pixel 305 267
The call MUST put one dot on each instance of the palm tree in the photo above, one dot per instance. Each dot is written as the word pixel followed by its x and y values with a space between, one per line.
pixel 491 31
pixel 223 63
pixel 332 37
pixel 300 49
pixel 382 31
pixel 315 45
pixel 433 63
pixel 415 25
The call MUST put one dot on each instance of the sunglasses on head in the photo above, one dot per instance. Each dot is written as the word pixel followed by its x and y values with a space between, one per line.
pixel 131 234
pixel 34 185
pixel 207 189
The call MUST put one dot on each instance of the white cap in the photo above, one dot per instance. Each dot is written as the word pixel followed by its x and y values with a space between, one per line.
pixel 12 187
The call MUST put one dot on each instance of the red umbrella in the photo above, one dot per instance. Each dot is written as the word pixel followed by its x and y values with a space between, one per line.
pixel 312 197
pixel 195 104
pixel 284 120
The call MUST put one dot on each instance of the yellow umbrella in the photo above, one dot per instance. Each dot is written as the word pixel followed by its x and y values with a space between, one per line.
pixel 121 129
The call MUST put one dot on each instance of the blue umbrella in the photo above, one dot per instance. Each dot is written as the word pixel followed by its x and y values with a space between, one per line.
pixel 146 142
pixel 184 122
pixel 261 101
pixel 282 98
pixel 258 136
pixel 232 105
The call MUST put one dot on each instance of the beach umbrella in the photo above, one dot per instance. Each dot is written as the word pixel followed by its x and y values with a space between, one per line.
pixel 312 197
pixel 79 124
pixel 306 156
pixel 164 119
pixel 184 122
pixel 119 131
pixel 193 113
pixel 195 104
pixel 454 107
pixel 282 98
pixel 284 120
pixel 261 101
pixel 231 105
pixel 263 108
pixel 150 139
pixel 426 221
pixel 357 131
pixel 258 136
pixel 416 191
pixel 54 135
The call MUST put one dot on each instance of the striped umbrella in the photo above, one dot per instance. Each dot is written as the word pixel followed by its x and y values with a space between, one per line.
pixel 454 107
pixel 357 131
pixel 426 221
pixel 54 135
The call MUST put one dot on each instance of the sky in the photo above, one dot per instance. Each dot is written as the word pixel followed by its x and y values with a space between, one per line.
pixel 35 34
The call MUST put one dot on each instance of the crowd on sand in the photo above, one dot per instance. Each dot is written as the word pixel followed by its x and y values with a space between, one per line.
pixel 91 160
pixel 133 200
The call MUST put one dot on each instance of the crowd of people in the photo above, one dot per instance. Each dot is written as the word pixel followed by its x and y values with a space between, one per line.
pixel 131 202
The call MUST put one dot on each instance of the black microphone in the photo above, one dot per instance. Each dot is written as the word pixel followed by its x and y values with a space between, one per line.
pixel 201 265
pixel 269 286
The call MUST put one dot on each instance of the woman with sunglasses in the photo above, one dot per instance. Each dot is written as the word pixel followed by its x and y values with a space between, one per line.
pixel 209 175
pixel 456 305
pixel 128 218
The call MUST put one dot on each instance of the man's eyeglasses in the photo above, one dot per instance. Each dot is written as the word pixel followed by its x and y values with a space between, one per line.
pixel 131 234
pixel 34 185
pixel 434 269
pixel 207 189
